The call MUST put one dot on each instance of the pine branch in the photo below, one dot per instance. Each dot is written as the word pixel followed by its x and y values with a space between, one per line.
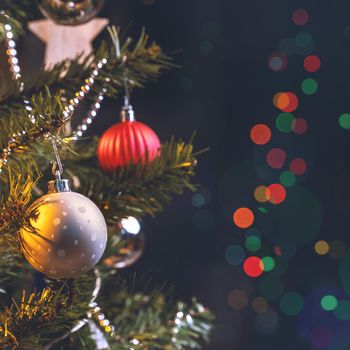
pixel 136 64
pixel 138 190
pixel 13 213
pixel 42 316
pixel 153 321
pixel 24 136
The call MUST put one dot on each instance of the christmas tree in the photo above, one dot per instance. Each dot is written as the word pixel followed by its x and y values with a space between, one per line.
pixel 60 252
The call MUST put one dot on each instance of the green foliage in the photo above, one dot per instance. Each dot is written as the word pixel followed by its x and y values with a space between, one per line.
pixel 139 189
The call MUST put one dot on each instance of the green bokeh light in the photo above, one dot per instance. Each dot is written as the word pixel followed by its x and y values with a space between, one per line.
pixel 344 121
pixel 271 287
pixel 329 303
pixel 309 86
pixel 342 312
pixel 253 243
pixel 284 122
pixel 269 263
pixel 303 39
pixel 287 179
pixel 292 303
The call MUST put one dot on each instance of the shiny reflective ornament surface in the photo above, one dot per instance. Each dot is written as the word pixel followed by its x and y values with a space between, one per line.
pixel 70 12
pixel 127 243
pixel 70 237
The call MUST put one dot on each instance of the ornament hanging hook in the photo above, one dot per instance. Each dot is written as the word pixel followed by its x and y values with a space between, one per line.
pixel 57 168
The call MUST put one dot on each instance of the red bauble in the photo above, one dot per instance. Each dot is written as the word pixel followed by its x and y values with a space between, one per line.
pixel 124 142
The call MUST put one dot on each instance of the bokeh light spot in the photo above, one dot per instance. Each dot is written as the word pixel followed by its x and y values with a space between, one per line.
pixel 212 29
pixel 262 194
pixel 342 312
pixel 260 134
pixel 286 101
pixel 278 193
pixel 321 247
pixel 312 63
pixel 234 255
pixel 284 122
pixel 253 266
pixel 238 299
pixel 309 86
pixel 259 305
pixel 268 263
pixel 300 17
pixel 287 179
pixel 299 126
pixel 253 243
pixel 344 121
pixel 276 158
pixel 278 61
pixel 298 166
pixel 304 40
pixel 292 303
pixel 201 197
pixel 243 217
pixel 329 303
pixel 198 200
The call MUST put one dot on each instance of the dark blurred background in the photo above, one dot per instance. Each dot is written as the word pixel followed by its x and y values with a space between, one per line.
pixel 223 88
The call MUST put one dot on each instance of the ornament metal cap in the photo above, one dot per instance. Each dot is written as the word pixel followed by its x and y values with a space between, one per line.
pixel 127 114
pixel 59 185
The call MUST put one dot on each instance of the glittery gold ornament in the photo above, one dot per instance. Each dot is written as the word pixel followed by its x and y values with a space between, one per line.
pixel 70 12
pixel 70 233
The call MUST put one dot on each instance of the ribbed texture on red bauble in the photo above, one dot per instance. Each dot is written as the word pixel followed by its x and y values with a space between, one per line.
pixel 124 142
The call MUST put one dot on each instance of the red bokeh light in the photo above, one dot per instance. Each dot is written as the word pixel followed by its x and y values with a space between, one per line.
pixel 286 101
pixel 298 166
pixel 277 193
pixel 260 134
pixel 312 63
pixel 253 266
pixel 299 126
pixel 277 249
pixel 300 17
pixel 276 158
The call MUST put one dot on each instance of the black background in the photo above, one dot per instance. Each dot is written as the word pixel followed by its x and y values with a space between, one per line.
pixel 222 94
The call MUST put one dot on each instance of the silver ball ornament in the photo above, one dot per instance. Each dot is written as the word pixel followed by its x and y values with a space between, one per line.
pixel 70 12
pixel 70 235
pixel 127 243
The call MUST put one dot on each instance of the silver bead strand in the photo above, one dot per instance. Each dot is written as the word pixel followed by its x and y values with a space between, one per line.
pixel 84 89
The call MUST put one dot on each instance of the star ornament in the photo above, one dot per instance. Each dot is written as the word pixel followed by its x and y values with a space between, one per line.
pixel 66 42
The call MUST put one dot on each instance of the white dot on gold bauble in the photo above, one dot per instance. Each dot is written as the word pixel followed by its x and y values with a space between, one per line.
pixel 69 227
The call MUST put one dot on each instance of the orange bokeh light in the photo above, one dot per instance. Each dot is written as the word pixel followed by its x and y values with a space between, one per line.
pixel 262 194
pixel 277 193
pixel 260 134
pixel 286 101
pixel 243 217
